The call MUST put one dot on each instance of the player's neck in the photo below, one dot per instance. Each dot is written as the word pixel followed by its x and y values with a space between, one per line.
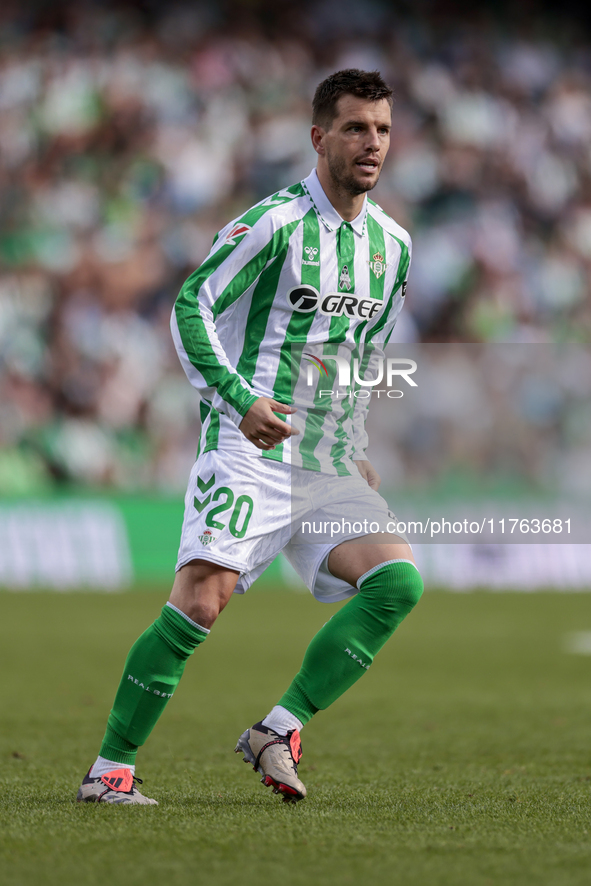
pixel 347 205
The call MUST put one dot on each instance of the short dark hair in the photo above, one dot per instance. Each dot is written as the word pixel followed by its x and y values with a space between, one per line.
pixel 352 81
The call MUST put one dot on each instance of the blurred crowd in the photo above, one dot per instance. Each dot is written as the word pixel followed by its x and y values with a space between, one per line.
pixel 129 136
pixel 502 420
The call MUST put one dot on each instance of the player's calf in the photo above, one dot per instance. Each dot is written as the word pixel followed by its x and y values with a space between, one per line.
pixel 345 647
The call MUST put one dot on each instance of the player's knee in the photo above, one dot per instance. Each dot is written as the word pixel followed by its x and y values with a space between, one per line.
pixel 201 590
pixel 397 582
pixel 408 585
pixel 203 611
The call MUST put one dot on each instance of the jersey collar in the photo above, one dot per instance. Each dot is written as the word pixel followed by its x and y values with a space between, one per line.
pixel 326 212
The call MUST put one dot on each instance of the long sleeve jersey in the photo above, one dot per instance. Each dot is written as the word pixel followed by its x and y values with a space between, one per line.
pixel 289 293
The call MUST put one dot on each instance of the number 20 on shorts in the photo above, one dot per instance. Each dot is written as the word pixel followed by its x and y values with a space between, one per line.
pixel 239 518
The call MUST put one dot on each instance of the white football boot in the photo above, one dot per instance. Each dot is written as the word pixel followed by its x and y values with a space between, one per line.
pixel 118 786
pixel 276 757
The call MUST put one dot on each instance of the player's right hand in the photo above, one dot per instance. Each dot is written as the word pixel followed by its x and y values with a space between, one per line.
pixel 262 427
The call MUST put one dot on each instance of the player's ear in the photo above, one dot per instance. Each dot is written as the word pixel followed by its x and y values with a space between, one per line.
pixel 317 134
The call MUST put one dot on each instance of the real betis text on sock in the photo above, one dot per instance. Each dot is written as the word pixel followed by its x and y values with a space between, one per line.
pixel 344 648
pixel 153 669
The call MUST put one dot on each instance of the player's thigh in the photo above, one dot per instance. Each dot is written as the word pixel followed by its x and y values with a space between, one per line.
pixel 348 531
pixel 237 519
pixel 369 523
pixel 352 559
pixel 202 589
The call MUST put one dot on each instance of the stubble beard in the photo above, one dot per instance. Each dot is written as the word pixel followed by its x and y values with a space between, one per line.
pixel 344 180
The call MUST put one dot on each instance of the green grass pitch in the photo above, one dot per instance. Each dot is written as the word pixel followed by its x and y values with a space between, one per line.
pixel 462 757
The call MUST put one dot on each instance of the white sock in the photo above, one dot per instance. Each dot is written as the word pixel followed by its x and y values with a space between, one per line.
pixel 102 766
pixel 282 721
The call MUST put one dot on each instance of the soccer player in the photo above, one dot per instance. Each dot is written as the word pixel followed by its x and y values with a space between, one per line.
pixel 314 274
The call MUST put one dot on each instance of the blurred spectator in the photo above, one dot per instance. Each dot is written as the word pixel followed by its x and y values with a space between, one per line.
pixel 130 134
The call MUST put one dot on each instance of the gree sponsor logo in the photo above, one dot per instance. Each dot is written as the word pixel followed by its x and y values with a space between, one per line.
pixel 306 298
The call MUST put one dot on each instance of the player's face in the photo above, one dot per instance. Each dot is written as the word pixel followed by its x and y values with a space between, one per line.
pixel 357 143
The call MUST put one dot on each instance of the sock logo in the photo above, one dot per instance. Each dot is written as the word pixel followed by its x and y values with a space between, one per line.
pixel 357 659
pixel 147 688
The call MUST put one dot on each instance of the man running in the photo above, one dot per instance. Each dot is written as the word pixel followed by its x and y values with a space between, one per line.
pixel 314 275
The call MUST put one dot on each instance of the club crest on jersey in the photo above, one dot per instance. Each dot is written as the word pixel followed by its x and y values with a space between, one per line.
pixel 237 231
pixel 207 538
pixel 311 252
pixel 306 298
pixel 344 279
pixel 378 265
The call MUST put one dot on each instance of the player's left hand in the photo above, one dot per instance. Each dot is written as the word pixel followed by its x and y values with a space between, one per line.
pixel 369 473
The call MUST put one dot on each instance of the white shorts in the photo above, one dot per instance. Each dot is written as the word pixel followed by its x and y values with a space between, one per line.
pixel 242 514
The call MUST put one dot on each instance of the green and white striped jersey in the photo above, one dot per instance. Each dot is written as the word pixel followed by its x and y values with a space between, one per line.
pixel 284 284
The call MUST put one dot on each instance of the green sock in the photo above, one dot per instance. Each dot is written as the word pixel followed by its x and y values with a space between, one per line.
pixel 345 647
pixel 154 666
